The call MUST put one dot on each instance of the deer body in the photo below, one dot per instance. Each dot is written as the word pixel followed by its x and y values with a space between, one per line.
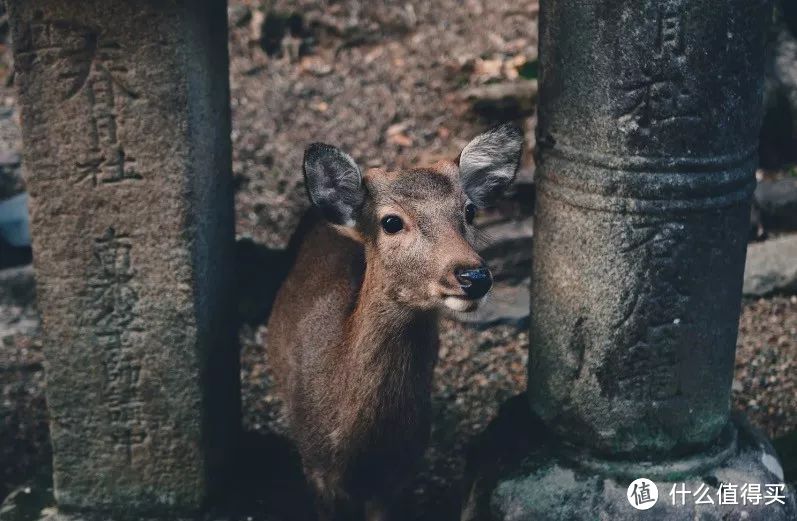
pixel 356 375
pixel 353 335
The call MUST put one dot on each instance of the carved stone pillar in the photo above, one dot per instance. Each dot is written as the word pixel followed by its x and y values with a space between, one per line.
pixel 648 127
pixel 126 129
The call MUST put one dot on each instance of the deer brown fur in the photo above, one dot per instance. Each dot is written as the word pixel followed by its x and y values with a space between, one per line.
pixel 353 337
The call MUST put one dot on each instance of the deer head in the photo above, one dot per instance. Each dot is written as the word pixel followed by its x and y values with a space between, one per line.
pixel 416 225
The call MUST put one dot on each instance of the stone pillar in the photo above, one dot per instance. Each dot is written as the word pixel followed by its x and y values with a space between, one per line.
pixel 648 127
pixel 648 130
pixel 126 130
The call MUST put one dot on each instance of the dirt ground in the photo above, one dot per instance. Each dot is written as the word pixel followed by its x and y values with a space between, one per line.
pixel 385 81
pixel 388 82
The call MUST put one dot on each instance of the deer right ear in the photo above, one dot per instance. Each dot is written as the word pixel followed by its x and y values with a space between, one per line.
pixel 487 165
pixel 334 183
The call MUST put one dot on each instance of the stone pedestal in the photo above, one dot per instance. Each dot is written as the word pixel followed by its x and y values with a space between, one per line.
pixel 648 126
pixel 521 470
pixel 125 113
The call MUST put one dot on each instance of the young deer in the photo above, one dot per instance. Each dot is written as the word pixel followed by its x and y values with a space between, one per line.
pixel 353 334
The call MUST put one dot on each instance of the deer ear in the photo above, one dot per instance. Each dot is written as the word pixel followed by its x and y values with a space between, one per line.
pixel 334 183
pixel 487 164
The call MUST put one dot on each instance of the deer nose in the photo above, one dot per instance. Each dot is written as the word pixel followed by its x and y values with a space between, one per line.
pixel 474 282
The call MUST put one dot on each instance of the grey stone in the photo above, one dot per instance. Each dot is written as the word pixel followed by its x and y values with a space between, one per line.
pixel 239 15
pixel 771 267
pixel 776 202
pixel 17 304
pixel 525 474
pixel 14 225
pixel 507 248
pixel 17 285
pixel 11 182
pixel 126 156
pixel 505 304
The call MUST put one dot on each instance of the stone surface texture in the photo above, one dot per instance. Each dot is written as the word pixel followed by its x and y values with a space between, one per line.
pixel 771 267
pixel 776 202
pixel 127 162
pixel 646 167
pixel 11 182
pixel 525 474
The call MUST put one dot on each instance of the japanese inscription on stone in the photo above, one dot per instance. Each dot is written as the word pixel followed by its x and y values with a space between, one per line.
pixel 90 66
pixel 644 362
pixel 111 313
pixel 658 93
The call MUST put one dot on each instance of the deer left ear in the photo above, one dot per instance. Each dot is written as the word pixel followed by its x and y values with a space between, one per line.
pixel 487 165
pixel 334 183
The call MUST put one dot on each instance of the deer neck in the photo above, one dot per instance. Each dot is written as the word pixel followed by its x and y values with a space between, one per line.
pixel 390 343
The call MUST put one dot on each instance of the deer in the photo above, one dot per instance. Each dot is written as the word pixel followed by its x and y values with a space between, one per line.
pixel 352 338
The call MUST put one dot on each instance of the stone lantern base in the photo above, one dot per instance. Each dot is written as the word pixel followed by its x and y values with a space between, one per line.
pixel 518 471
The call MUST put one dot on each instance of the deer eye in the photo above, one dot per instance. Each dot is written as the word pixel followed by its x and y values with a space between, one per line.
pixel 470 213
pixel 392 223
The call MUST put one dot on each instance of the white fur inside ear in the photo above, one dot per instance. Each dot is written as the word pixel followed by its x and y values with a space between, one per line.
pixel 487 165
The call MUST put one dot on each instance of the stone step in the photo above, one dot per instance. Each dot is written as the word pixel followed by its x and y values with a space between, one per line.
pixel 771 267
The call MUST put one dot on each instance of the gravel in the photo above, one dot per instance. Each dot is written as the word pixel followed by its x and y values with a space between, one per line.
pixel 765 384
pixel 386 81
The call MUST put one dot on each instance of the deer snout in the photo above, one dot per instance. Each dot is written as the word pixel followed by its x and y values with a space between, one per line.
pixel 475 282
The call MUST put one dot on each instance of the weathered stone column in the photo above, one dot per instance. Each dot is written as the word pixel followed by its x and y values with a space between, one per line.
pixel 125 113
pixel 648 126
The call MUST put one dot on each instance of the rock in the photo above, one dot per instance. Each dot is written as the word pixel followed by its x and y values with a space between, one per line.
pixel 771 267
pixel 504 100
pixel 505 304
pixel 11 256
pixel 11 182
pixel 18 313
pixel 776 202
pixel 17 286
pixel 14 231
pixel 14 221
pixel 238 15
pixel 508 249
